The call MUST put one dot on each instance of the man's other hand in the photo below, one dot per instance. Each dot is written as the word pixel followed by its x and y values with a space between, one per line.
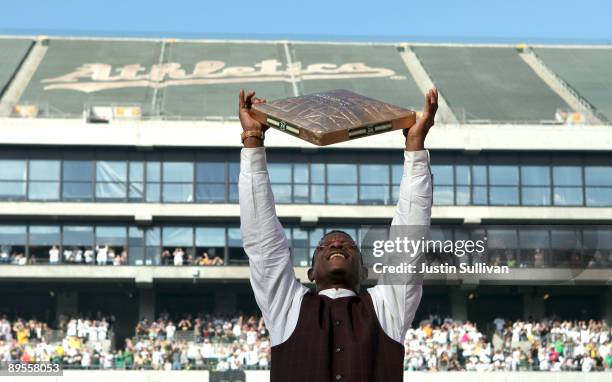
pixel 415 136
pixel 246 118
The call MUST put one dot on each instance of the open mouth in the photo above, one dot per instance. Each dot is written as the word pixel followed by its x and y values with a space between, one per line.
pixel 337 255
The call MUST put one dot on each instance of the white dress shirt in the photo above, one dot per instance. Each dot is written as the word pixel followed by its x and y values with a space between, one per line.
pixel 277 291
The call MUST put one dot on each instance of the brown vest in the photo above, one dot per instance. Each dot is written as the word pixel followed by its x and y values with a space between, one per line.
pixel 337 340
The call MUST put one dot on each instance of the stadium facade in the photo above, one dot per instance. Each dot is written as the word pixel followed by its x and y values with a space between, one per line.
pixel 134 144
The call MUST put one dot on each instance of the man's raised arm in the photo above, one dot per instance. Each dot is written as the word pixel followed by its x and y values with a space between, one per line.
pixel 396 301
pixel 271 270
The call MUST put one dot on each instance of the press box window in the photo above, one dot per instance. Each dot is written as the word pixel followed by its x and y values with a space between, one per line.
pixel 44 180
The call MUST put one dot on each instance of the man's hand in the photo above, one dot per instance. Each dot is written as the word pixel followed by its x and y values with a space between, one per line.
pixel 415 136
pixel 246 119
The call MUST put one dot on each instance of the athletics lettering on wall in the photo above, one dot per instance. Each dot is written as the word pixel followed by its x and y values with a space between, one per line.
pixel 93 77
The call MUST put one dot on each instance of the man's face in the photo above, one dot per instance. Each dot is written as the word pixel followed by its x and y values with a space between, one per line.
pixel 337 262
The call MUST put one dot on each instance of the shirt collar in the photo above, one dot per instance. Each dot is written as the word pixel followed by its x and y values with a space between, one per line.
pixel 337 293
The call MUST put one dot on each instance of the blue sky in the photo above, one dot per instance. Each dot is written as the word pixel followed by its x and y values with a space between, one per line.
pixel 476 20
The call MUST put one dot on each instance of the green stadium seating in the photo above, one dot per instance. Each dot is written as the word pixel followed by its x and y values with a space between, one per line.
pixel 489 84
pixel 215 94
pixel 398 87
pixel 13 53
pixel 587 71
pixel 66 56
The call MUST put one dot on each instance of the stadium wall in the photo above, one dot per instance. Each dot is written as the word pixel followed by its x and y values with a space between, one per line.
pixel 263 376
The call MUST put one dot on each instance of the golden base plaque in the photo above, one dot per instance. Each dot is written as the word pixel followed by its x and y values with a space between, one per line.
pixel 333 116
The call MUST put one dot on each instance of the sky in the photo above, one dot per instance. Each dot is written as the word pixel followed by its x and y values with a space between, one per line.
pixel 509 21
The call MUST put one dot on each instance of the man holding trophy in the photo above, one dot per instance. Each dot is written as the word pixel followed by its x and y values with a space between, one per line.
pixel 335 333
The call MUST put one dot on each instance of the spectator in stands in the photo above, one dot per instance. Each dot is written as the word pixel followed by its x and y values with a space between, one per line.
pixel 101 254
pixel 78 256
pixel 88 256
pixel 178 255
pixel 124 256
pixel 205 260
pixel 68 258
pixel 170 330
pixel 111 256
pixel 185 324
pixel 18 258
pixel 538 258
pixel 243 342
pixel 165 257
pixel 4 254
pixel 54 254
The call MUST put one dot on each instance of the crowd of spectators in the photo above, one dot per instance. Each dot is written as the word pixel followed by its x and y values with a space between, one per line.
pixel 203 341
pixel 545 345
pixel 228 343
pixel 69 342
pixel 179 257
pixel 100 255
pixel 15 256
pixel 539 258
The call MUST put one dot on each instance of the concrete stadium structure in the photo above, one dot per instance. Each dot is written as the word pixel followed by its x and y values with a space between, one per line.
pixel 134 144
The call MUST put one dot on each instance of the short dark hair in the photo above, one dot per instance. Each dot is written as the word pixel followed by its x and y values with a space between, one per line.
pixel 334 231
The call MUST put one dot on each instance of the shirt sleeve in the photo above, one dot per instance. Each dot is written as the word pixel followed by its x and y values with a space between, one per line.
pixel 396 303
pixel 277 291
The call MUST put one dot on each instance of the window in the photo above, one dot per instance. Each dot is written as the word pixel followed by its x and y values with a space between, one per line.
pixel 153 253
pixel 12 179
pixel 211 240
pixel 78 180
pixel 236 253
pixel 479 191
pixel 397 171
pixel 234 173
pixel 12 235
pixel 80 236
pixel 315 236
pixel 503 180
pixel 111 180
pixel 486 179
pixel 136 246
pixel 153 188
pixel 342 184
pixel 444 193
pixel 210 182
pixel 299 242
pixel 598 181
pixel 44 180
pixel 535 190
pixel 13 244
pixel 280 178
pixel 503 247
pixel 374 184
pixel 317 187
pixel 177 237
pixel 44 235
pixel 178 242
pixel 136 191
pixel 301 178
pixel 178 182
pixel 112 236
pixel 568 185
pixel 534 248
pixel 597 247
pixel 565 244
pixel 463 178
pixel 41 240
